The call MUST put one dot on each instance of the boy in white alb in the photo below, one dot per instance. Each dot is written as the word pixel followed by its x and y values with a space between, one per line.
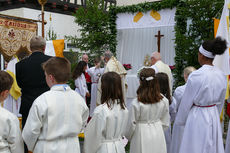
pixel 57 116
pixel 10 134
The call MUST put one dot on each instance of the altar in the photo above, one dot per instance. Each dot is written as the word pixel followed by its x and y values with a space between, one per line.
pixel 133 84
pixel 139 35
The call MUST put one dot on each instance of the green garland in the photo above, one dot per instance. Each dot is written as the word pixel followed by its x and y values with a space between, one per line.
pixel 198 13
pixel 194 24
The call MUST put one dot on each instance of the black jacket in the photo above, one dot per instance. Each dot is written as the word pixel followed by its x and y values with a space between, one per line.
pixel 31 79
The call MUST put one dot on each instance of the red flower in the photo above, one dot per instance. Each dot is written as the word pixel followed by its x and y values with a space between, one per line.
pixel 127 66
pixel 172 67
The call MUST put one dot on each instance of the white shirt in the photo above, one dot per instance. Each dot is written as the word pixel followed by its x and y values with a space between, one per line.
pixel 81 86
pixel 10 133
pixel 104 131
pixel 55 119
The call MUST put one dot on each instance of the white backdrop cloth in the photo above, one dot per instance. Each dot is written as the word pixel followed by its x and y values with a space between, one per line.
pixel 136 40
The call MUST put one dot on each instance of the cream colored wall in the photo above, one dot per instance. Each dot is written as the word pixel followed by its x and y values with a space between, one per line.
pixel 60 23
pixel 131 2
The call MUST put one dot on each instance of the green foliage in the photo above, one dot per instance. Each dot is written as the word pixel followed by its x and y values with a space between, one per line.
pixel 73 57
pixel 95 31
pixel 51 35
pixel 194 24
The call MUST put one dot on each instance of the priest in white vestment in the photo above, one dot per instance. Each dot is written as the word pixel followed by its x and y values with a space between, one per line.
pixel 13 101
pixel 159 66
pixel 113 65
pixel 202 103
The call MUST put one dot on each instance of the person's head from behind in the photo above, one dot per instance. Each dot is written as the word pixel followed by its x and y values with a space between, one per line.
pixel 97 60
pixel 37 43
pixel 111 89
pixel 79 69
pixel 6 82
pixel 107 55
pixel 22 54
pixel 149 90
pixel 163 80
pixel 209 49
pixel 57 71
pixel 156 56
pixel 85 58
pixel 187 71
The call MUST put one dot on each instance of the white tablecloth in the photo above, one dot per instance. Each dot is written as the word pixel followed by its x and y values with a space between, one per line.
pixel 133 84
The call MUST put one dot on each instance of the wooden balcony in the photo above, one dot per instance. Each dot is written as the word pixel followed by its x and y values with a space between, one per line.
pixel 58 6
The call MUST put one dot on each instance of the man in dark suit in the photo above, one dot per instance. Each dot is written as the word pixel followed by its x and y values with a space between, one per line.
pixel 30 76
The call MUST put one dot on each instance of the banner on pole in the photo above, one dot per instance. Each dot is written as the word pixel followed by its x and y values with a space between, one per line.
pixel 15 35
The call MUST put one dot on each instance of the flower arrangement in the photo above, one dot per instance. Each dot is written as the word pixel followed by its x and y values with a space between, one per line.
pixel 172 67
pixel 127 66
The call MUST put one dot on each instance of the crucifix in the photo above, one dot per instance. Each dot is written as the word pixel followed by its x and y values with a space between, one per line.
pixel 159 40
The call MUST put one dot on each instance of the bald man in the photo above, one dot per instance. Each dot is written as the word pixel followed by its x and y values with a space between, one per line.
pixel 85 58
pixel 160 66
pixel 30 75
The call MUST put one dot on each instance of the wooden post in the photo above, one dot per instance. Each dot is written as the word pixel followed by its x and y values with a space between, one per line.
pixel 43 22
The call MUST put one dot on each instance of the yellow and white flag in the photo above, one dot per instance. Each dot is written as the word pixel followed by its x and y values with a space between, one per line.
pixel 222 61
pixel 55 48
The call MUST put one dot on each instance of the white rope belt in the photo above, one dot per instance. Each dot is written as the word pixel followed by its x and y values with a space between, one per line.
pixel 147 122
pixel 58 138
pixel 111 140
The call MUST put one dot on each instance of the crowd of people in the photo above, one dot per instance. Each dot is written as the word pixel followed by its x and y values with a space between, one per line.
pixel 53 114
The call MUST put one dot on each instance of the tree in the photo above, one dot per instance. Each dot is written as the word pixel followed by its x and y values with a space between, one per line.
pixel 95 31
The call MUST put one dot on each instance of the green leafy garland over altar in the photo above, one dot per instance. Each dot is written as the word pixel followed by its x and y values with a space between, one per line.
pixel 194 23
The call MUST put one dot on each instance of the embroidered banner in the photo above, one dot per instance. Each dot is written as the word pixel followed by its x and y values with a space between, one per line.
pixel 15 35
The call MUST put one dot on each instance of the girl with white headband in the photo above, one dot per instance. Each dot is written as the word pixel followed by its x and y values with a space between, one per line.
pixel 148 116
pixel 202 102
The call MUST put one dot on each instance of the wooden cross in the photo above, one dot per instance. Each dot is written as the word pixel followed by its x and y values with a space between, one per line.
pixel 159 40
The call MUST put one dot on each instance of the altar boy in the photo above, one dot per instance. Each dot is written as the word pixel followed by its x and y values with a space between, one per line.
pixel 58 115
pixel 10 133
